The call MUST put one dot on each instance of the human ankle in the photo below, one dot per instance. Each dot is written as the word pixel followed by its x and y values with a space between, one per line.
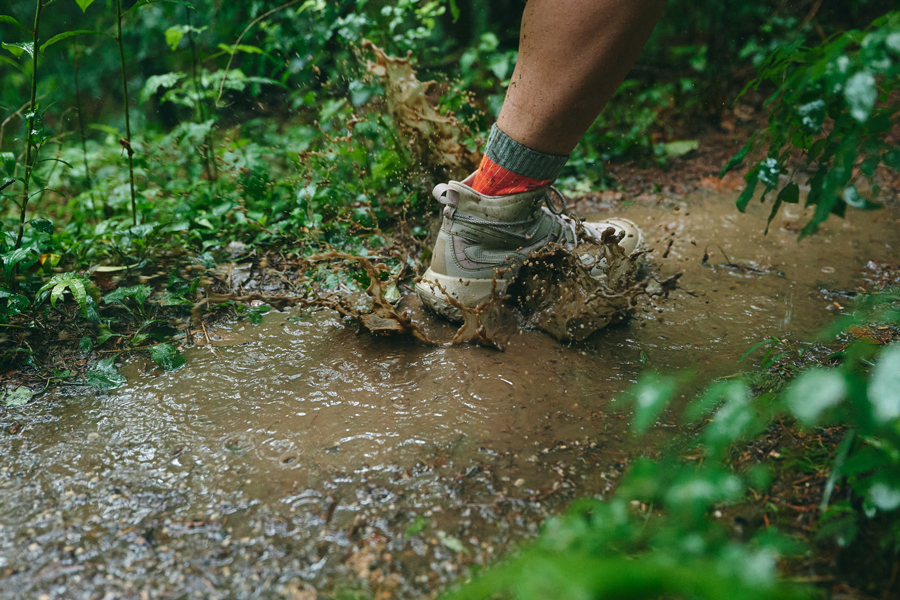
pixel 508 167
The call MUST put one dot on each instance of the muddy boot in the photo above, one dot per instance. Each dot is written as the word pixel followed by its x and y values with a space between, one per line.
pixel 484 239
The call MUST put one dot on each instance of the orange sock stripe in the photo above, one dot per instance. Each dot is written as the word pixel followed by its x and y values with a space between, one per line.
pixel 493 180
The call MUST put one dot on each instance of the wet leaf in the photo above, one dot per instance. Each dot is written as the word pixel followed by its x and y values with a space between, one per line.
pixel 892 159
pixel 416 527
pixel 790 194
pixel 84 4
pixel 22 255
pixel 15 303
pixel 43 225
pixel 884 495
pixel 86 344
pixel 12 21
pixel 68 34
pixel 680 147
pixel 814 392
pixel 451 542
pixel 174 36
pixel 139 293
pixel 884 387
pixel 861 93
pixel 167 357
pixel 19 49
pixel 769 171
pixel 104 333
pixel 17 397
pixel 812 115
pixel 104 375
pixel 739 157
pixel 752 178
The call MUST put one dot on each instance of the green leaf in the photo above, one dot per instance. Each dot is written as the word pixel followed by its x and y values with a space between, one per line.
pixel 454 10
pixel 19 49
pixel 58 290
pixel 104 333
pixel 68 34
pixel 769 171
pixel 139 293
pixel 451 542
pixel 680 147
pixel 84 4
pixel 854 199
pixel 812 115
pixel 415 527
pixel 167 357
pixel 883 494
pixel 652 394
pixel 739 157
pixel 861 93
pixel 790 194
pixel 174 36
pixel 22 255
pixel 41 224
pixel 155 82
pixel 752 178
pixel 884 387
pixel 5 60
pixel 86 344
pixel 12 21
pixel 776 206
pixel 104 375
pixel 730 422
pixel 892 159
pixel 814 392
pixel 241 48
pixel 17 397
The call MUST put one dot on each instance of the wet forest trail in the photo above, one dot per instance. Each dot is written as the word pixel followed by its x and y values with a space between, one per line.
pixel 302 456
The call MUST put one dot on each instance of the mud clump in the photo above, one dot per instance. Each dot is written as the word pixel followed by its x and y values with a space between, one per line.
pixel 556 292
pixel 434 137
pixel 382 319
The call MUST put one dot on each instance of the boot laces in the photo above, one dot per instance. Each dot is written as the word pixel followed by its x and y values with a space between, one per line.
pixel 447 197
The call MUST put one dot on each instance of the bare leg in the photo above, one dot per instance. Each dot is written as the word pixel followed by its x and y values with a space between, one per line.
pixel 573 54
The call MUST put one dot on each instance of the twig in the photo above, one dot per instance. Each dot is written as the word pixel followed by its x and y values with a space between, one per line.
pixel 209 341
pixel 241 37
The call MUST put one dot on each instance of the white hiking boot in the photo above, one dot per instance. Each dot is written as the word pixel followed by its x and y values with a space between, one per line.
pixel 484 239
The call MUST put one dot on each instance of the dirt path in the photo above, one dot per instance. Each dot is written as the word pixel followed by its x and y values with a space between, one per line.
pixel 300 456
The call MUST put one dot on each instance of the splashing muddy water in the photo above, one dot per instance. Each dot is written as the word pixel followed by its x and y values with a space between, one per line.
pixel 302 460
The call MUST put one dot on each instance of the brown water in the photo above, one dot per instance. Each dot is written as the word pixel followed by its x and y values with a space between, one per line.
pixel 300 455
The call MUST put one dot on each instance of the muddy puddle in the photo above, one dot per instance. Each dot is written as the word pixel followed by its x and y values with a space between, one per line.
pixel 300 459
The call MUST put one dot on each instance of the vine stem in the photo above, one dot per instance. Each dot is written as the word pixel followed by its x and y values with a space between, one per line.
pixel 127 141
pixel 81 126
pixel 212 171
pixel 28 134
pixel 241 37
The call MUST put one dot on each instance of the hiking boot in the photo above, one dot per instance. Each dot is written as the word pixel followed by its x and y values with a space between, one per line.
pixel 484 239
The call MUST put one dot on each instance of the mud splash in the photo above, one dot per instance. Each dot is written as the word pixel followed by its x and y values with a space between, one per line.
pixel 434 137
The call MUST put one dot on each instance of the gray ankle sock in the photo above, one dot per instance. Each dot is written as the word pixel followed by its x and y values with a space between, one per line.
pixel 521 160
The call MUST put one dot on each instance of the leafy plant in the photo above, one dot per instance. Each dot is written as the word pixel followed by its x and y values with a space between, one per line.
pixel 84 292
pixel 833 103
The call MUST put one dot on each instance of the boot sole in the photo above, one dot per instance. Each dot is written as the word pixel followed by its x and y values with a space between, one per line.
pixel 469 293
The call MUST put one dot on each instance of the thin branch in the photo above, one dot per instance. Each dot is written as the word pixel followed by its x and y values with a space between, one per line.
pixel 241 37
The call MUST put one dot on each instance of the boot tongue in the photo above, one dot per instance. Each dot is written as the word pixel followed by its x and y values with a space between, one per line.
pixel 512 208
